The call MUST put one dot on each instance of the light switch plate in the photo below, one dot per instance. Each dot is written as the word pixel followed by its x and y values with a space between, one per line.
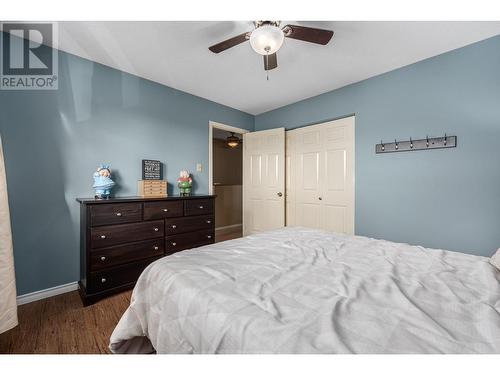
pixel 198 167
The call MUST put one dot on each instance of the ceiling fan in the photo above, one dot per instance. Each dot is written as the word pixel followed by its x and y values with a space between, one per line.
pixel 267 38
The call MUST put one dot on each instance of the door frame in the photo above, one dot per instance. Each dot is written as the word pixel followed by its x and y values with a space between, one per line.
pixel 211 126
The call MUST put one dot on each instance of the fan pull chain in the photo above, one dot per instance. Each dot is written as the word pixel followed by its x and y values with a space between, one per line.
pixel 267 65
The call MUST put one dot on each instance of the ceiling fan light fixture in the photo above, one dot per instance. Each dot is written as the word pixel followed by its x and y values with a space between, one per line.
pixel 267 39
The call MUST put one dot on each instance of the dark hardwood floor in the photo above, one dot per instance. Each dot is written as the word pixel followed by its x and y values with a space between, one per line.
pixel 228 234
pixel 61 324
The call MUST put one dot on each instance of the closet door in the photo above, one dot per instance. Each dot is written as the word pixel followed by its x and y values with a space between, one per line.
pixel 338 171
pixel 308 157
pixel 322 162
pixel 263 180
pixel 290 179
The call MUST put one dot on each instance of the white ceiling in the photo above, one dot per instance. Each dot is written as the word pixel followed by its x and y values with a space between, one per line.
pixel 176 54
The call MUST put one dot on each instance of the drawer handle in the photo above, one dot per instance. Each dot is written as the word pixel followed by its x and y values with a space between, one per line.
pixel 156 229
pixel 103 258
pixel 156 247
pixel 201 207
pixel 165 210
pixel 209 236
pixel 103 236
pixel 208 221
pixel 118 214
pixel 174 244
pixel 174 226
pixel 103 280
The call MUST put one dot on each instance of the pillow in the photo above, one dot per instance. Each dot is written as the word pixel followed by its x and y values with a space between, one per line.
pixel 495 260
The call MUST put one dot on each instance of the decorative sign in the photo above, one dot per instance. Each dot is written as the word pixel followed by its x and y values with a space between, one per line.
pixel 151 170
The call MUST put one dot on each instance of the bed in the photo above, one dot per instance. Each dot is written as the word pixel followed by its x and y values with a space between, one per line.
pixel 298 290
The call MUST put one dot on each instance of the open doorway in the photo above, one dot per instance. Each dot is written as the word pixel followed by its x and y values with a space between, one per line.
pixel 226 179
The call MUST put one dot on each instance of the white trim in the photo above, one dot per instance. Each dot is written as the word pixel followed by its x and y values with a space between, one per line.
pixel 229 226
pixel 353 174
pixel 211 126
pixel 46 293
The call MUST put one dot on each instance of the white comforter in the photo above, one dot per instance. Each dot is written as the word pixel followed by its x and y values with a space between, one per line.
pixel 300 290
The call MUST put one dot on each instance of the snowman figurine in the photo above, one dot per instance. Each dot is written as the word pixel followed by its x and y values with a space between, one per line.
pixel 103 182
pixel 184 182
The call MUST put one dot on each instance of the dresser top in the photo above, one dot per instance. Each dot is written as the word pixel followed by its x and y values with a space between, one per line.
pixel 141 199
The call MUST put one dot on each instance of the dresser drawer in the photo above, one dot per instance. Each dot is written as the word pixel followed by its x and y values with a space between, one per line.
pixel 117 276
pixel 115 213
pixel 117 234
pixel 188 224
pixel 198 207
pixel 121 254
pixel 160 210
pixel 184 241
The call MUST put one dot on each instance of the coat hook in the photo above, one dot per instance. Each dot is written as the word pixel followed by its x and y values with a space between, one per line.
pixel 445 139
pixel 427 140
pixel 397 146
pixel 383 146
pixel 411 143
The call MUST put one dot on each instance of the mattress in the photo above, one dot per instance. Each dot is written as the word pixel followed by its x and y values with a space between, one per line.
pixel 298 290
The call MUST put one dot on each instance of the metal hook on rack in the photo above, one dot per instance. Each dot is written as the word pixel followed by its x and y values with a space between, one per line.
pixel 426 143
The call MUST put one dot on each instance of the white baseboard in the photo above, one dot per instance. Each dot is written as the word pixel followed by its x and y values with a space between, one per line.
pixel 46 293
pixel 229 226
pixel 65 288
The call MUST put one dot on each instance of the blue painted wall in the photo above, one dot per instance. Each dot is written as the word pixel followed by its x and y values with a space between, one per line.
pixel 441 198
pixel 54 140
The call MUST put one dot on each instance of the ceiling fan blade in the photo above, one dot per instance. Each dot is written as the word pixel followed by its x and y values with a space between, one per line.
pixel 308 34
pixel 270 61
pixel 234 41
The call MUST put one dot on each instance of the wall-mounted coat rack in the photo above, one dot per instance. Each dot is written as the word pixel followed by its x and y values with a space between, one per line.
pixel 427 143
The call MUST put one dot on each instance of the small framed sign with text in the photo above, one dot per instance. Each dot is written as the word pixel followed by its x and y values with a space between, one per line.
pixel 151 170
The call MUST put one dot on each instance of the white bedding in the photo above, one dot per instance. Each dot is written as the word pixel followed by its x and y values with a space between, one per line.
pixel 298 290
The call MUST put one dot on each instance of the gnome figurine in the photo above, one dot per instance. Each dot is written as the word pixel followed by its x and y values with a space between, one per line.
pixel 103 182
pixel 184 182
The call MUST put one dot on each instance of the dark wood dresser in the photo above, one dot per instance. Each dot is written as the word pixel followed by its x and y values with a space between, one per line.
pixel 119 237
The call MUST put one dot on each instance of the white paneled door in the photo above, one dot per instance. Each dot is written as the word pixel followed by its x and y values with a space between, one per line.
pixel 320 175
pixel 263 180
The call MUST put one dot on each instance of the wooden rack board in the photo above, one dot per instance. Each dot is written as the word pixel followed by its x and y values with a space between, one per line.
pixel 152 188
pixel 448 141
